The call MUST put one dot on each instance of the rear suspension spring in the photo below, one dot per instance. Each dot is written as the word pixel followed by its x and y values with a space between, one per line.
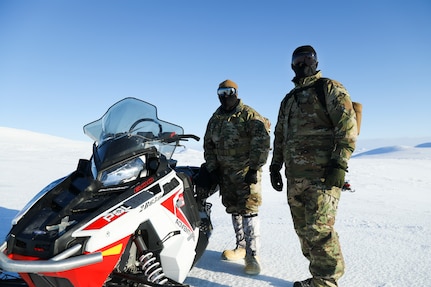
pixel 149 264
pixel 152 269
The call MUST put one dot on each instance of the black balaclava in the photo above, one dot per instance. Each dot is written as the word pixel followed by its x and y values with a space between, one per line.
pixel 228 103
pixel 308 67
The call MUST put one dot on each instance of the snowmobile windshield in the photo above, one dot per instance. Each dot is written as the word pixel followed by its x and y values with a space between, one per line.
pixel 130 126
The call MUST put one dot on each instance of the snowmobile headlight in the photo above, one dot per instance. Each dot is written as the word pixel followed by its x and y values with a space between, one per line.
pixel 123 172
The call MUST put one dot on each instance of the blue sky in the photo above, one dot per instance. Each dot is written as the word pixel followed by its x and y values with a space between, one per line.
pixel 64 63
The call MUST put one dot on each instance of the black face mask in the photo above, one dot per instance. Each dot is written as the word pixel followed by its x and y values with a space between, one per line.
pixel 302 70
pixel 228 103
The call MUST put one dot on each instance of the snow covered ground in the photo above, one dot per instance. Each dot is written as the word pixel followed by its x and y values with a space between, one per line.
pixel 384 226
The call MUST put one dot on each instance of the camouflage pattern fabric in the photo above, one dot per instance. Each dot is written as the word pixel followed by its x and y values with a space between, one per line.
pixel 308 136
pixel 238 196
pixel 313 212
pixel 234 142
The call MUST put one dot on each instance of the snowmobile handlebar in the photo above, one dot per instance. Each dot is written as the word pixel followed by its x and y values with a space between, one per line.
pixel 170 138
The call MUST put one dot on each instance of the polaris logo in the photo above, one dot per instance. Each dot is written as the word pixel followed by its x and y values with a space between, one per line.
pixel 108 218
pixel 117 213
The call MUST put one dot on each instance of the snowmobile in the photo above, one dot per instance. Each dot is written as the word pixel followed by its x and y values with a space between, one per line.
pixel 128 216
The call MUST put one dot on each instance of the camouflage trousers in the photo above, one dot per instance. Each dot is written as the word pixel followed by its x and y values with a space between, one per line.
pixel 313 210
pixel 237 196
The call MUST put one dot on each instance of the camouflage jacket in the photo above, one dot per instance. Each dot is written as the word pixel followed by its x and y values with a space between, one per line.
pixel 309 135
pixel 237 139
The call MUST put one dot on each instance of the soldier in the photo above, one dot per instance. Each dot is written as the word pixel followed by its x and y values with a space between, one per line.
pixel 236 146
pixel 314 139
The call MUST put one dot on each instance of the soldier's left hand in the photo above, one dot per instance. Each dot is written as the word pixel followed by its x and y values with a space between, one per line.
pixel 251 176
pixel 335 175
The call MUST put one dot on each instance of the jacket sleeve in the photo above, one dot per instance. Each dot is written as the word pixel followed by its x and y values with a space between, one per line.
pixel 343 117
pixel 210 149
pixel 277 155
pixel 260 141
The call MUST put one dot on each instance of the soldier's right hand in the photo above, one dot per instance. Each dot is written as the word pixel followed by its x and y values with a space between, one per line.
pixel 276 181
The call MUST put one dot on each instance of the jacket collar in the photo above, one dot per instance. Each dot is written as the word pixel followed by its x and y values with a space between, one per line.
pixel 307 80
pixel 236 109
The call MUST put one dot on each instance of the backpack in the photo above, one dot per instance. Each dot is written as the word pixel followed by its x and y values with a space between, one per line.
pixel 357 107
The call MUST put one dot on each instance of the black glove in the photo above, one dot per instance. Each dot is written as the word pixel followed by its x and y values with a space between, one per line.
pixel 335 175
pixel 215 177
pixel 251 176
pixel 276 181
pixel 203 177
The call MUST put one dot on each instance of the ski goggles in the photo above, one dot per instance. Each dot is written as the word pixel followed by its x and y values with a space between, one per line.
pixel 226 92
pixel 307 58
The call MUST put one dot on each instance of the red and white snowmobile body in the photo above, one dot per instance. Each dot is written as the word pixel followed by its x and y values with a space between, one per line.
pixel 127 217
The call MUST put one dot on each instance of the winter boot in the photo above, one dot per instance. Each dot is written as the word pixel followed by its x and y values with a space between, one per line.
pixel 239 251
pixel 305 283
pixel 252 238
pixel 233 254
pixel 252 266
pixel 313 282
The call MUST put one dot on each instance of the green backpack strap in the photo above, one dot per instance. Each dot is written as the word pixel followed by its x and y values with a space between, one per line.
pixel 318 87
